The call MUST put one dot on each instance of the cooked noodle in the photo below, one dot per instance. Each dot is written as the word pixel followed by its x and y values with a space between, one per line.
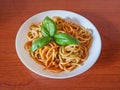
pixel 61 58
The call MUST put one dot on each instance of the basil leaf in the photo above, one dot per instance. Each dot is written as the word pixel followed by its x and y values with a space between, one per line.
pixel 40 42
pixel 44 31
pixel 65 39
pixel 49 27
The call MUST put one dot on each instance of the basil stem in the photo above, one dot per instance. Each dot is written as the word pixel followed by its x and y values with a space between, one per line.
pixel 49 27
pixel 40 42
pixel 65 39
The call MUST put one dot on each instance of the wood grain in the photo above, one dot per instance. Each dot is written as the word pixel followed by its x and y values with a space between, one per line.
pixel 104 75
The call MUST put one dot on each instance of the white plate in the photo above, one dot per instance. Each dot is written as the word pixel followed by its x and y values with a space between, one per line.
pixel 38 69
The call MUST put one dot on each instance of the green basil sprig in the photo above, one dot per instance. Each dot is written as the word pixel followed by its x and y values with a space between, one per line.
pixel 48 30
pixel 48 27
pixel 40 42
pixel 65 39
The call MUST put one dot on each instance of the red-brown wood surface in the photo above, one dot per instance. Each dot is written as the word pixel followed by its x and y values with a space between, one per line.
pixel 104 75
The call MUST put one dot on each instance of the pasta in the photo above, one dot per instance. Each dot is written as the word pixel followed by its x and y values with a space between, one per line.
pixel 58 58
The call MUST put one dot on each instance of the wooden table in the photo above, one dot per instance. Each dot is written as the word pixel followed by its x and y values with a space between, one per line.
pixel 104 75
